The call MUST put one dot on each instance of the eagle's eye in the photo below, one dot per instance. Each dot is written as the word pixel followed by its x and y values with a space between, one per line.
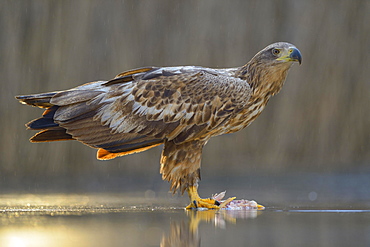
pixel 275 52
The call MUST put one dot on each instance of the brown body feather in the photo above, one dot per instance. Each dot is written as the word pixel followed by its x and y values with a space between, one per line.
pixel 180 107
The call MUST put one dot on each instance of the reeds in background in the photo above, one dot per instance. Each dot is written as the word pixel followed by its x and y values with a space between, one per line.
pixel 319 122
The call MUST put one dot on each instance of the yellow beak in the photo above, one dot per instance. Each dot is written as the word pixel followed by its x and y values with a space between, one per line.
pixel 294 55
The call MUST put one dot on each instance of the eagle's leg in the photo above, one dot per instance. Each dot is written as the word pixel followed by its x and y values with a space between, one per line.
pixel 180 164
pixel 197 202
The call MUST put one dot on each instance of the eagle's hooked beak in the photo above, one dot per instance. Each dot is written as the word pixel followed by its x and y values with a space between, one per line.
pixel 293 55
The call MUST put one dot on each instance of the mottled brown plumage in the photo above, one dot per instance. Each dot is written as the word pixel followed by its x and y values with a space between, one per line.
pixel 180 107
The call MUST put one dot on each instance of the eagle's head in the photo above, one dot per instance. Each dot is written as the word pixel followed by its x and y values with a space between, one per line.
pixel 279 53
pixel 267 70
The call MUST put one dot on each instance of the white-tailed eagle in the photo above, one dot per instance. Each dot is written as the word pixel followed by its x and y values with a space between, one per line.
pixel 181 107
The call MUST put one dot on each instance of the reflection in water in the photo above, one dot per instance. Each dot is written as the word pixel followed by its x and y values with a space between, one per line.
pixel 180 235
pixel 220 217
pixel 187 234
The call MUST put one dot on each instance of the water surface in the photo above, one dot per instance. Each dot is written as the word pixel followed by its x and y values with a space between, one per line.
pixel 122 220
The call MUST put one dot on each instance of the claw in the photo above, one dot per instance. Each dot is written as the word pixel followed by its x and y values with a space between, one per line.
pixel 210 203
pixel 215 202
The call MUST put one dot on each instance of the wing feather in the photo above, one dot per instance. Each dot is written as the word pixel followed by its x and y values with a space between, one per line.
pixel 195 98
pixel 69 97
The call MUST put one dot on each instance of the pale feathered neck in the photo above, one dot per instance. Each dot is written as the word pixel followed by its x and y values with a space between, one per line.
pixel 264 78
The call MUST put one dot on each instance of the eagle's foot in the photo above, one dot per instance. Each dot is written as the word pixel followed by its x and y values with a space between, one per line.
pixel 216 202
pixel 207 203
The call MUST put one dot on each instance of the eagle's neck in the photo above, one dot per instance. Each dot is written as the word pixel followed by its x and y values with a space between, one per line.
pixel 265 81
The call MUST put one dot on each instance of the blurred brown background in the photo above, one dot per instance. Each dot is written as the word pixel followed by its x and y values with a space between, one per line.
pixel 320 122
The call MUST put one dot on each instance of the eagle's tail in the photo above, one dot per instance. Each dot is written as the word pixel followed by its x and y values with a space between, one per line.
pixel 50 131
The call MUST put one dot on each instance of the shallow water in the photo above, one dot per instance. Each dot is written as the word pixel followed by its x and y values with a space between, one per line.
pixel 122 220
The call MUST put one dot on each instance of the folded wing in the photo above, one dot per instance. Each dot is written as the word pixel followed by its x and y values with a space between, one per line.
pixel 140 109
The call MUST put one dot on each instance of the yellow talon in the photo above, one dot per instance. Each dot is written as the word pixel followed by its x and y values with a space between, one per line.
pixel 197 202
pixel 215 201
